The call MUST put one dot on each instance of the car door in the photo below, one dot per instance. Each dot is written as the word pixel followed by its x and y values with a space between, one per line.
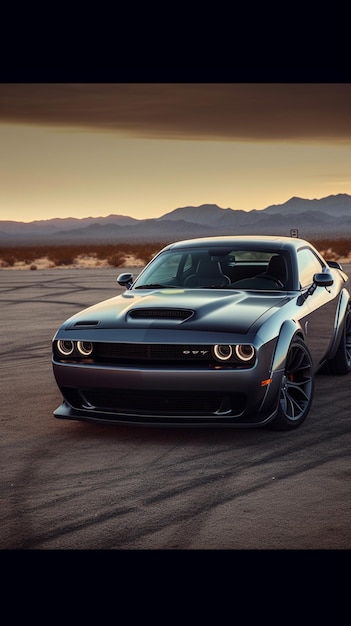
pixel 320 306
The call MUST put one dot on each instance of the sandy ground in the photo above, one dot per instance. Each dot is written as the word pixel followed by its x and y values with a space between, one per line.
pixel 69 486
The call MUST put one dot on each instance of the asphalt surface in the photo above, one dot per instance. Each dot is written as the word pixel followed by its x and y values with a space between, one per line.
pixel 76 486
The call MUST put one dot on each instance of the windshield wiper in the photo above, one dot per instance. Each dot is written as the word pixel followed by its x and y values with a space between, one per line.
pixel 155 286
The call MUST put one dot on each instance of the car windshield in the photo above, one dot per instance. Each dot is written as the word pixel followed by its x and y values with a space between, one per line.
pixel 215 269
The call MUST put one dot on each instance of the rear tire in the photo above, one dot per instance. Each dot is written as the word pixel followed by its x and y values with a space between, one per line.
pixel 297 387
pixel 340 364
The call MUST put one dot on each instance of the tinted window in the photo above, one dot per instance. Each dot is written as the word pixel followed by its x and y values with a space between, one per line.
pixel 164 268
pixel 178 267
pixel 308 265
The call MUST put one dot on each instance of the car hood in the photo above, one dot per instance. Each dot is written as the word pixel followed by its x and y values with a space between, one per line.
pixel 202 309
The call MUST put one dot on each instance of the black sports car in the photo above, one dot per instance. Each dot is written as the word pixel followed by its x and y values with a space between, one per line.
pixel 218 331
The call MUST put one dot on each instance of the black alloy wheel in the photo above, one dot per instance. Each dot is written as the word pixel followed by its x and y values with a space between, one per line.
pixel 297 387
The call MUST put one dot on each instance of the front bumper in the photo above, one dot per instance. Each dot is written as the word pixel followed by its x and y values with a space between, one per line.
pixel 172 396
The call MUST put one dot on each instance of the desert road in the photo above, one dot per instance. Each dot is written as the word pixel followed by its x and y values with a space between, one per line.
pixel 77 486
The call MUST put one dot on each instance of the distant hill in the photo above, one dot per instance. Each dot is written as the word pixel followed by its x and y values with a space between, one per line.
pixel 330 216
pixel 59 224
pixel 336 206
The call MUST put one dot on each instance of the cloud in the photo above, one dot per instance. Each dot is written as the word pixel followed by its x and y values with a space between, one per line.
pixel 197 111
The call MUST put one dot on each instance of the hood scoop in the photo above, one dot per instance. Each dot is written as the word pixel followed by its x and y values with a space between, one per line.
pixel 152 313
pixel 86 324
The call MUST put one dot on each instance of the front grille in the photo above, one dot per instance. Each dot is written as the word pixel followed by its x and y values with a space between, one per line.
pixel 151 352
pixel 152 355
pixel 165 403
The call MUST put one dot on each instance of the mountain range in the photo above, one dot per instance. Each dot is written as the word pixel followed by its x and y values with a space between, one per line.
pixel 326 217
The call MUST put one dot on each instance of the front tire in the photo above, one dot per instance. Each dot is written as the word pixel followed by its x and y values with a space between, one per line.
pixel 296 389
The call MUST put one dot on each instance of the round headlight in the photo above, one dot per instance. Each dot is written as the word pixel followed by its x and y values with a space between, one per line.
pixel 223 352
pixel 244 352
pixel 85 347
pixel 65 347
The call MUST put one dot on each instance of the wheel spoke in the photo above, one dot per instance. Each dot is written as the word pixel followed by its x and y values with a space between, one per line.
pixel 348 336
pixel 291 407
pixel 298 389
pixel 297 384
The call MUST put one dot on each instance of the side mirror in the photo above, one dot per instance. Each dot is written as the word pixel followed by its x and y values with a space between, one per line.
pixel 335 264
pixel 125 280
pixel 323 280
pixel 319 280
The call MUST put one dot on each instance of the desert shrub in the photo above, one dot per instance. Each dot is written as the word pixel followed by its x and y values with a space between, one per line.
pixel 116 260
pixel 8 260
pixel 147 251
pixel 61 256
pixel 333 248
pixel 66 254
pixel 116 254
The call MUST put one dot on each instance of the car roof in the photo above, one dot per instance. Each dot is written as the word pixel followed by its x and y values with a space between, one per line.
pixel 238 241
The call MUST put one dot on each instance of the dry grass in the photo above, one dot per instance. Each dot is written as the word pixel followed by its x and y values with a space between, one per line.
pixel 109 255
pixel 120 255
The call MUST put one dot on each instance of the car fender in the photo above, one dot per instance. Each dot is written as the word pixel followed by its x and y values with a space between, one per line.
pixel 344 299
pixel 289 330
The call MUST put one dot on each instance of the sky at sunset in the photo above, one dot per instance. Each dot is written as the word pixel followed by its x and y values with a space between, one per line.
pixel 145 149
